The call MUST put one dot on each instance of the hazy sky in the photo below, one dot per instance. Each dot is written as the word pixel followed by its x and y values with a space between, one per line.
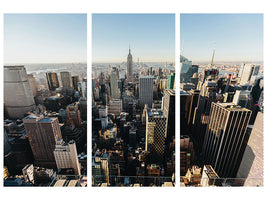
pixel 236 37
pixel 45 38
pixel 150 36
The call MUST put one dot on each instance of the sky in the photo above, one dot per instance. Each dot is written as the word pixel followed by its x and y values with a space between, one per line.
pixel 151 37
pixel 235 37
pixel 45 38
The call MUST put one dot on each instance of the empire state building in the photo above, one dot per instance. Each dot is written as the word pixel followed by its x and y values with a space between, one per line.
pixel 129 67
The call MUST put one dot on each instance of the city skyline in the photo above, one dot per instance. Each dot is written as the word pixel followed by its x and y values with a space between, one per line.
pixel 235 37
pixel 150 37
pixel 45 38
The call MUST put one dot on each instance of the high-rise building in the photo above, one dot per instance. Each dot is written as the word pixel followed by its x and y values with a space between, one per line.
pixel 73 113
pixel 43 134
pixel 103 112
pixel 115 107
pixel 18 96
pixel 187 69
pixel 52 80
pixel 129 67
pixel 114 77
pixel 171 79
pixel 33 84
pixel 66 156
pixel 67 84
pixel 185 102
pixel 226 138
pixel 251 167
pixel 75 80
pixel 156 133
pixel 169 112
pixel 201 114
pixel 146 90
pixel 209 177
pixel 186 154
pixel 247 71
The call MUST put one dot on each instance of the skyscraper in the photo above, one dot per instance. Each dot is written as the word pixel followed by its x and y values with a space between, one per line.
pixel 247 71
pixel 75 80
pixel 67 84
pixel 33 84
pixel 156 133
pixel 114 76
pixel 171 78
pixel 129 67
pixel 251 166
pixel 169 112
pixel 226 138
pixel 146 90
pixel 201 114
pixel 18 97
pixel 43 134
pixel 52 80
pixel 73 113
pixel 66 156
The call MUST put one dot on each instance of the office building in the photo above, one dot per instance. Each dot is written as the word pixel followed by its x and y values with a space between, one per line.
pixel 207 95
pixel 66 156
pixel 186 154
pixel 114 77
pixel 33 84
pixel 129 67
pixel 75 81
pixel 171 81
pixel 43 134
pixel 247 71
pixel 18 96
pixel 169 112
pixel 67 84
pixel 73 113
pixel 115 107
pixel 226 138
pixel 146 90
pixel 251 167
pixel 103 112
pixel 52 80
pixel 209 177
pixel 156 133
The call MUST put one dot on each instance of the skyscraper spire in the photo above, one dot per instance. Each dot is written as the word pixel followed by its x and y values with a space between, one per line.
pixel 129 49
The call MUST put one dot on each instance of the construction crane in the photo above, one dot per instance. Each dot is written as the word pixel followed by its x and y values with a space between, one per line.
pixel 211 65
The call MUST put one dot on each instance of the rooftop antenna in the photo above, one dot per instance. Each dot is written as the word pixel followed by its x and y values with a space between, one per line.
pixel 211 65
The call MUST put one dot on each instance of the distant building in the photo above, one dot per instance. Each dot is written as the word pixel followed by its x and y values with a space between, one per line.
pixel 103 112
pixel 75 81
pixel 146 90
pixel 171 80
pixel 114 77
pixel 115 107
pixel 52 80
pixel 67 83
pixel 247 71
pixel 187 86
pixel 73 113
pixel 18 96
pixel 66 156
pixel 33 84
pixel 129 67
